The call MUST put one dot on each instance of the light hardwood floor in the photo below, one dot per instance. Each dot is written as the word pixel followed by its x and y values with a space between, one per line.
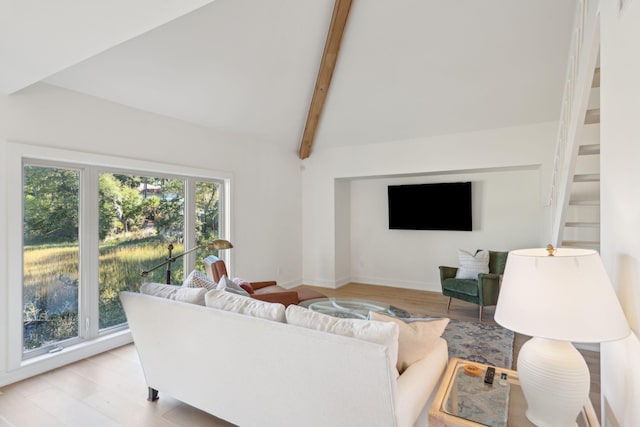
pixel 109 389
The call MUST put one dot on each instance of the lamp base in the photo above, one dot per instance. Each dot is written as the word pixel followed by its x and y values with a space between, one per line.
pixel 555 381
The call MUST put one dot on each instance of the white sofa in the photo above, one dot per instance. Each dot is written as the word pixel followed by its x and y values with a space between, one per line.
pixel 256 372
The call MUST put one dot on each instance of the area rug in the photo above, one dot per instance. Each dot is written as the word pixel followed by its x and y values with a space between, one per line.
pixel 486 343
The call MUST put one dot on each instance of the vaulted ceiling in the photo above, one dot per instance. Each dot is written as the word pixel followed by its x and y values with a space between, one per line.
pixel 406 68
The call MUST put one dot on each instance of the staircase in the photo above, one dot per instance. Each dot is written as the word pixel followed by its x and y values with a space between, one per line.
pixel 582 219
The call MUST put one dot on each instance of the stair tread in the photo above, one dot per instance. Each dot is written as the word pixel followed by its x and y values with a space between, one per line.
pixel 596 78
pixel 589 149
pixel 580 242
pixel 595 202
pixel 586 177
pixel 592 116
pixel 586 224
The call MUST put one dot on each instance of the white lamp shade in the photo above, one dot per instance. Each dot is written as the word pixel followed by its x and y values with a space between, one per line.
pixel 566 297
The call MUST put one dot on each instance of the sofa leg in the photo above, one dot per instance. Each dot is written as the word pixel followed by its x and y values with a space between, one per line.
pixel 153 394
pixel 480 313
pixel 449 304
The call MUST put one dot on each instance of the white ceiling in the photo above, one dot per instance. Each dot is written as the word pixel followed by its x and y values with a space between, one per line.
pixel 406 69
pixel 41 37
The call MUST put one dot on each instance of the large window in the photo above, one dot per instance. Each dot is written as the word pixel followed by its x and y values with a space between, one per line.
pixel 88 232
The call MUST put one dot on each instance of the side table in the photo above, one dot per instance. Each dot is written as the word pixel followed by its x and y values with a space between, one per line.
pixel 464 400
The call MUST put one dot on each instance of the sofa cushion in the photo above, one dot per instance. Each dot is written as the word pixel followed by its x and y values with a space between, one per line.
pixel 461 286
pixel 178 293
pixel 472 265
pixel 226 284
pixel 384 333
pixel 228 301
pixel 198 279
pixel 415 339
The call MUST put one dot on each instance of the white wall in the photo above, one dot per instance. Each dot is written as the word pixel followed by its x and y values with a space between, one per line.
pixel 507 211
pixel 343 229
pixel 265 192
pixel 266 184
pixel 620 198
pixel 327 258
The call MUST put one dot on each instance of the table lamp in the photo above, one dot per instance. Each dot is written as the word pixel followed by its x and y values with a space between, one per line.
pixel 216 244
pixel 557 296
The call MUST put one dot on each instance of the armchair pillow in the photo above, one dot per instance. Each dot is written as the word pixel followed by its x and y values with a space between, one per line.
pixel 472 265
pixel 243 284
pixel 415 338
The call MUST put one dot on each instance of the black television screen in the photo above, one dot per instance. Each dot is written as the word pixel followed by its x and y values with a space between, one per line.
pixel 442 206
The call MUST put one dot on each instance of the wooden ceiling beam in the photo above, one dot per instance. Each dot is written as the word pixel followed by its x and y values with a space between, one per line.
pixel 327 65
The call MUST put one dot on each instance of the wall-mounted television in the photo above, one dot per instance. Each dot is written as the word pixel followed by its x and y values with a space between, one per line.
pixel 441 206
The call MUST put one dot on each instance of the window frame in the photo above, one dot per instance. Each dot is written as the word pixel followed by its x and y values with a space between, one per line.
pixel 90 340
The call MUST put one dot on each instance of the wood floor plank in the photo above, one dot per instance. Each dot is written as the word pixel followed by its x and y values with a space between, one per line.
pixel 185 415
pixel 17 411
pixel 69 410
pixel 125 411
pixel 110 379
pixel 71 382
pixel 27 387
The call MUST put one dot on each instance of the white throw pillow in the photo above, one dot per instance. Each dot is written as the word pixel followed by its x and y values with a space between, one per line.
pixel 178 293
pixel 226 284
pixel 415 338
pixel 228 301
pixel 198 279
pixel 367 330
pixel 472 265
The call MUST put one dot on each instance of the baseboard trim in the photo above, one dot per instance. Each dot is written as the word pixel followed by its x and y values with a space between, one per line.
pixel 393 283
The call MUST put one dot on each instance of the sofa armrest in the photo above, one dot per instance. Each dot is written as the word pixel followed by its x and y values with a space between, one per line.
pixel 447 272
pixel 488 276
pixel 260 285
pixel 489 288
pixel 287 298
pixel 417 386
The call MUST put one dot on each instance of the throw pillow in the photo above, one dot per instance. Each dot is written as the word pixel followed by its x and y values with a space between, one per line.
pixel 228 301
pixel 198 279
pixel 178 293
pixel 377 332
pixel 415 338
pixel 472 265
pixel 243 284
pixel 226 284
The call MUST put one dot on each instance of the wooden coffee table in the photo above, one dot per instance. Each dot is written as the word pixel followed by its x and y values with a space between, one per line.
pixel 464 400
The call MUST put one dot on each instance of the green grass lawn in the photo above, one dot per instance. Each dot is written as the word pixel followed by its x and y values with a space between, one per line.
pixel 51 279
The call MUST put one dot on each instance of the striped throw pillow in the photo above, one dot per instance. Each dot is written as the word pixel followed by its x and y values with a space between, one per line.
pixel 472 265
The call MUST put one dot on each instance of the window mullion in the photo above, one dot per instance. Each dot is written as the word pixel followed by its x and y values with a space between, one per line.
pixel 89 252
pixel 189 224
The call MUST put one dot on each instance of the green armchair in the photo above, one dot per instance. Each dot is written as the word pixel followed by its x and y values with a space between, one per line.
pixel 482 291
